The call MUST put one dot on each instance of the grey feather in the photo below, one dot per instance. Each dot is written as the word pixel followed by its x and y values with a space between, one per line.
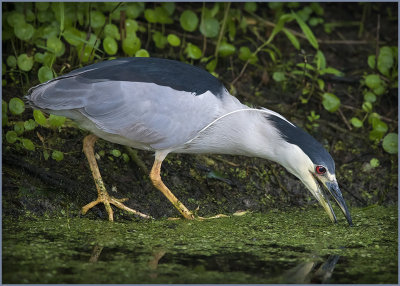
pixel 145 113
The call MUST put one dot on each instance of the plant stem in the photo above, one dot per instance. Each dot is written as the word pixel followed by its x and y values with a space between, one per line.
pixel 221 32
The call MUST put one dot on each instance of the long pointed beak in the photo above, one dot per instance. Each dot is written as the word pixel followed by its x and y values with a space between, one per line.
pixel 326 204
pixel 333 188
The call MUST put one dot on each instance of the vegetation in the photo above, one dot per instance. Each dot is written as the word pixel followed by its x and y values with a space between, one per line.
pixel 256 49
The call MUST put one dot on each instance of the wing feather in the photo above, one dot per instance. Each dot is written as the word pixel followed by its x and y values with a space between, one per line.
pixel 148 113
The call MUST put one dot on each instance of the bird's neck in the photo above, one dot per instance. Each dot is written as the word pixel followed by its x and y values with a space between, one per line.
pixel 258 138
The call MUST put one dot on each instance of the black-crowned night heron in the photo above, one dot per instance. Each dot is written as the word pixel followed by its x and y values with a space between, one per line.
pixel 171 107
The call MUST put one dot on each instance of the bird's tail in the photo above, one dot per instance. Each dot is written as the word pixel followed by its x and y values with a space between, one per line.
pixel 34 97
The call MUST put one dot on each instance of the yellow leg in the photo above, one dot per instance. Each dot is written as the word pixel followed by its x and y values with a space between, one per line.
pixel 103 196
pixel 158 183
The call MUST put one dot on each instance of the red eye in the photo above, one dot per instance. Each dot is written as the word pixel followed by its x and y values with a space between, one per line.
pixel 320 170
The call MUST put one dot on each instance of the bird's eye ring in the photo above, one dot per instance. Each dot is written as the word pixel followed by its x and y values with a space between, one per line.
pixel 320 170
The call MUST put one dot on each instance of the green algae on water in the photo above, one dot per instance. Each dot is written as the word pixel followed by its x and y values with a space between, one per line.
pixel 276 247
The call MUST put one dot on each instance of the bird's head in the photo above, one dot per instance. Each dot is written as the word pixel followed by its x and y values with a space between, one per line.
pixel 307 159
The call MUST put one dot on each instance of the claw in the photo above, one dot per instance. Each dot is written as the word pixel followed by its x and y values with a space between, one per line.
pixel 107 201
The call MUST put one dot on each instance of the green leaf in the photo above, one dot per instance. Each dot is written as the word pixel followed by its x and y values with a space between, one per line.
pixel 331 70
pixel 57 155
pixel 169 7
pixel 320 59
pixel 379 126
pixel 305 13
pixel 373 116
pixel 330 102
pixel 73 36
pixel 56 121
pixel 189 20
pixel 15 19
pixel 16 106
pixel 29 125
pixel 390 143
pixel 321 84
pixel 47 59
pixel 306 66
pixel 279 76
pixel 375 135
pixel 11 61
pixel 115 153
pixel 159 40
pixel 28 144
pixel 55 45
pixel 39 117
pixel 111 30
pixel 150 16
pixel 97 19
pixel 85 53
pixel 307 31
pixel 367 106
pixel 133 10
pixel 226 49
pixel 370 97
pixel 25 63
pixel 162 15
pixel 209 27
pixel 371 61
pixel 279 26
pixel 11 136
pixel 316 7
pixel 50 31
pixel 45 16
pixel 125 156
pixel 142 53
pixel 357 123
pixel 314 21
pixel 374 162
pixel 231 30
pixel 245 54
pixel 292 38
pixel 19 127
pixel 24 31
pixel 385 60
pixel 380 89
pixel 193 51
pixel 131 27
pixel 44 74
pixel 130 45
pixel 173 40
pixel 211 65
pixel 250 7
pixel 110 46
pixel 373 81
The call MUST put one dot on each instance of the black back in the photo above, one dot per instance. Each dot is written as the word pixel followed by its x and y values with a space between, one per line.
pixel 177 75
pixel 307 143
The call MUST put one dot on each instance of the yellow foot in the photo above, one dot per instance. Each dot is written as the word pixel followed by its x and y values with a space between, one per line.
pixel 107 201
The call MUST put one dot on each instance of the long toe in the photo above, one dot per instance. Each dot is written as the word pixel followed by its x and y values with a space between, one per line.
pixel 108 201
pixel 118 203
pixel 200 217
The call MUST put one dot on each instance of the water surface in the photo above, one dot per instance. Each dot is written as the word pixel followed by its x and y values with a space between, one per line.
pixel 298 246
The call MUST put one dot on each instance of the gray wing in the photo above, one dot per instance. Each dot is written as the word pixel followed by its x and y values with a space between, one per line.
pixel 155 115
